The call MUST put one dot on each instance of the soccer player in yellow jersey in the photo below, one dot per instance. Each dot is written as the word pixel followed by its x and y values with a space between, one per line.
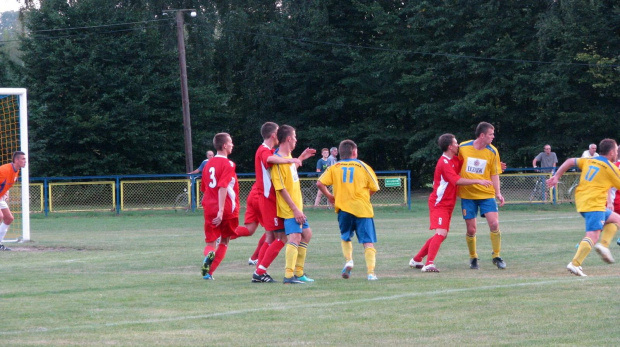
pixel 598 175
pixel 8 176
pixel 289 203
pixel 353 182
pixel 481 161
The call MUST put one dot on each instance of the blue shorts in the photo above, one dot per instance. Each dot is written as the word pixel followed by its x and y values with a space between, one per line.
pixel 292 227
pixel 470 207
pixel 351 225
pixel 595 220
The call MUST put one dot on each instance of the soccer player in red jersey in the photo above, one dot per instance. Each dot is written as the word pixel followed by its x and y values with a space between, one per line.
pixel 442 200
pixel 613 203
pixel 8 176
pixel 220 188
pixel 261 204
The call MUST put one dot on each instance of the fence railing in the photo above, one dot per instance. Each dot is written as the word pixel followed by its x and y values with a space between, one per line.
pixel 181 192
pixel 529 185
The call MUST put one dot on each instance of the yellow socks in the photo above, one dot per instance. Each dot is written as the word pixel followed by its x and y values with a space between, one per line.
pixel 347 250
pixel 290 259
pixel 301 259
pixel 370 255
pixel 496 242
pixel 585 246
pixel 471 245
pixel 608 233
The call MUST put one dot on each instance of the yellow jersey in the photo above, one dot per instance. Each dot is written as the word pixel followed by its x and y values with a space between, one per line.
pixel 352 180
pixel 598 175
pixel 478 164
pixel 284 176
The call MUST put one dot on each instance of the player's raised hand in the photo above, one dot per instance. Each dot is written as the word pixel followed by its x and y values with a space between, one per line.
pixel 307 153
pixel 552 182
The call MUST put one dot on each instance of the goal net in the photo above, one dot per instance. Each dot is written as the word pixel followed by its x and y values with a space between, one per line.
pixel 14 137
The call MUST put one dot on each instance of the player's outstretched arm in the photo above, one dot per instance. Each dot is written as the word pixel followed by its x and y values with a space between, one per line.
pixel 276 159
pixel 553 181
pixel 307 153
pixel 469 181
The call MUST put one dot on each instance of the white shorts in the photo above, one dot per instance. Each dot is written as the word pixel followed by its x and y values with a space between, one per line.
pixel 3 205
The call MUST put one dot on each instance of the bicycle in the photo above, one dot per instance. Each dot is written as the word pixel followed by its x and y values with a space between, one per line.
pixel 571 191
pixel 182 201
pixel 539 193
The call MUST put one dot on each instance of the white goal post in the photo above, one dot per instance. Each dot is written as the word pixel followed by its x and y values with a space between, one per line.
pixel 14 137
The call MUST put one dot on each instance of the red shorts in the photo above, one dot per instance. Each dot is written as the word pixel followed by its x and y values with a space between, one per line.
pixel 252 211
pixel 269 214
pixel 225 229
pixel 440 218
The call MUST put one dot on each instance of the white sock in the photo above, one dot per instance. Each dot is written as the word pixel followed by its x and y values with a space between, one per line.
pixel 3 229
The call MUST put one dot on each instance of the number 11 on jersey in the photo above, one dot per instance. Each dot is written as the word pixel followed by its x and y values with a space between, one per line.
pixel 344 174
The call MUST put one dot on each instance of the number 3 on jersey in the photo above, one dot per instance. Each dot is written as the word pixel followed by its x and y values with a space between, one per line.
pixel 213 181
pixel 344 174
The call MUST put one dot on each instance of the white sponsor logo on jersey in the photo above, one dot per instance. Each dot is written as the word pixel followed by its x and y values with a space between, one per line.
pixel 476 166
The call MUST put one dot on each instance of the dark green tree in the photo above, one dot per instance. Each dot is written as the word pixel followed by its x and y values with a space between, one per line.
pixel 100 97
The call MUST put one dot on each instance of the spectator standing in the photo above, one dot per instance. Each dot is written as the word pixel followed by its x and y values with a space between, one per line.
pixel 333 157
pixel 202 165
pixel 546 159
pixel 590 152
pixel 321 166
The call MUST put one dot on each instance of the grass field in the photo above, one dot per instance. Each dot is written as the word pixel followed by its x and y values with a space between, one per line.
pixel 134 279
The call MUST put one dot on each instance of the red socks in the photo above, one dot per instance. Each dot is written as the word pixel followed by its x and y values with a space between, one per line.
pixel 433 247
pixel 220 253
pixel 270 255
pixel 258 247
pixel 208 249
pixel 240 231
pixel 423 251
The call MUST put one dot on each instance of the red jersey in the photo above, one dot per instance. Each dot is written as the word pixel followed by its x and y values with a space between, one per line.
pixel 8 177
pixel 444 183
pixel 220 173
pixel 261 169
pixel 615 195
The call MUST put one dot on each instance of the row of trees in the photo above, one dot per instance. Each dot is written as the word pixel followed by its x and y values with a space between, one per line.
pixel 391 75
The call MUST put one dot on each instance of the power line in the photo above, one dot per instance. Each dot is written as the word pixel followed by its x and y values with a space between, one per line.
pixel 103 25
pixel 445 55
pixel 78 35
pixel 319 42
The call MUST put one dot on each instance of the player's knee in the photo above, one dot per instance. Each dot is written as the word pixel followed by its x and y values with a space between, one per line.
pixel 294 238
pixel 306 235
pixel 8 219
pixel 442 232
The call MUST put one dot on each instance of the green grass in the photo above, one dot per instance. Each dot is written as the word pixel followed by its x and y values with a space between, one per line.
pixel 98 279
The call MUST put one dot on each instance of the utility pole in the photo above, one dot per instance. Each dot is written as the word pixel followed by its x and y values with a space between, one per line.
pixel 187 125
